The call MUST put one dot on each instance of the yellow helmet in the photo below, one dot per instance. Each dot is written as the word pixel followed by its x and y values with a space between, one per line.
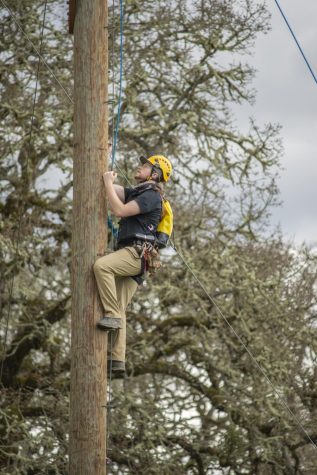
pixel 160 162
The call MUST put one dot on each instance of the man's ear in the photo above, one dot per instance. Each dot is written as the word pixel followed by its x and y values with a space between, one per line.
pixel 155 175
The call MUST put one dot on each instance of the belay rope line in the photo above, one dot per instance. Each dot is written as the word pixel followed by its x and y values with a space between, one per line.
pixel 38 52
pixel 115 130
pixel 115 136
pixel 17 242
pixel 109 361
pixel 281 400
pixel 296 41
pixel 258 366
pixel 109 402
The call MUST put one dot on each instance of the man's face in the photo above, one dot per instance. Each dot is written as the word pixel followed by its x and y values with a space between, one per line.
pixel 143 172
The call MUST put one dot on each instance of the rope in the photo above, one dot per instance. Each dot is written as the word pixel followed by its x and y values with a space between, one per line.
pixel 114 231
pixel 113 237
pixel 17 245
pixel 115 130
pixel 122 173
pixel 298 45
pixel 113 72
pixel 259 367
pixel 38 52
pixel 120 88
pixel 109 405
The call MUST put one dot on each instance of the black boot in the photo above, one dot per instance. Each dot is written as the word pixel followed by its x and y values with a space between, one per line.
pixel 117 368
pixel 110 323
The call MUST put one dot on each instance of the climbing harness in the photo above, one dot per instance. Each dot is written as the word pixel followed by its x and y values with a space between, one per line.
pixel 150 256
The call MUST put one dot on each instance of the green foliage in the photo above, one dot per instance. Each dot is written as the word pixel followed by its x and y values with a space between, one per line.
pixel 194 401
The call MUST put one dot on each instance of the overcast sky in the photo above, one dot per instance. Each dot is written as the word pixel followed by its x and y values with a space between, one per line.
pixel 287 94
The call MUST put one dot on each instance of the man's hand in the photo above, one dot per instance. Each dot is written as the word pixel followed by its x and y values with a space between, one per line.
pixel 109 177
pixel 116 198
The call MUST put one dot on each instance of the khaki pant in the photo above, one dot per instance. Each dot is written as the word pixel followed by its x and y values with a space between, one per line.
pixel 116 288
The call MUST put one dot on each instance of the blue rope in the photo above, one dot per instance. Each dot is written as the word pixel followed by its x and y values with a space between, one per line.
pixel 120 90
pixel 299 47
pixel 114 230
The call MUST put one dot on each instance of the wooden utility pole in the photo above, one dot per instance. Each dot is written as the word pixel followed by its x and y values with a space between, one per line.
pixel 87 453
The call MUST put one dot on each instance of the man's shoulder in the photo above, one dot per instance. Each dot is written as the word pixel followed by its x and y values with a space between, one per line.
pixel 143 194
pixel 148 200
pixel 151 193
pixel 147 189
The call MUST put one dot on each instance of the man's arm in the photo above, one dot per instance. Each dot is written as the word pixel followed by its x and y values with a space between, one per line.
pixel 119 189
pixel 120 192
pixel 117 206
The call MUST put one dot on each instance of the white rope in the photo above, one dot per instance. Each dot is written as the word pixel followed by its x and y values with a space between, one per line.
pixel 259 367
pixel 16 21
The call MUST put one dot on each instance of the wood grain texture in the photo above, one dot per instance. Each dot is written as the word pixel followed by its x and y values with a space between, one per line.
pixel 88 347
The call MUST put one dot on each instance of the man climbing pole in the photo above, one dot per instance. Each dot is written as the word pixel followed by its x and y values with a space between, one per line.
pixel 119 273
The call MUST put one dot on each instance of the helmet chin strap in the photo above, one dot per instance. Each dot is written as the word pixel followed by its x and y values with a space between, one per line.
pixel 154 170
pixel 150 178
pixel 146 180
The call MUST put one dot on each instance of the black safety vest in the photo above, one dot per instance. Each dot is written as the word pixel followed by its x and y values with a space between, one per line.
pixel 142 226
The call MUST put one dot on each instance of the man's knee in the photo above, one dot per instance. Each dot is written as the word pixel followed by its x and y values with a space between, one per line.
pixel 100 266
